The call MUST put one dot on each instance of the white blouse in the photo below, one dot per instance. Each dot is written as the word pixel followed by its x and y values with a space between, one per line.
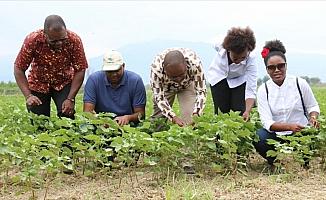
pixel 235 74
pixel 284 103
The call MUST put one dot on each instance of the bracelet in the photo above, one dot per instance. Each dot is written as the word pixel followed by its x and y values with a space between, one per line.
pixel 29 96
pixel 313 116
pixel 72 100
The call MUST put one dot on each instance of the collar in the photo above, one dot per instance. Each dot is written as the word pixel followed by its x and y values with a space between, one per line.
pixel 285 82
pixel 223 54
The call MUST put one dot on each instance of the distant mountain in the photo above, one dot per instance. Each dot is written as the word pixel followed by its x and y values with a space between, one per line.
pixel 139 56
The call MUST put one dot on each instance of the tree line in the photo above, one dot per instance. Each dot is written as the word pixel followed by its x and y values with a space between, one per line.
pixel 310 80
pixel 9 88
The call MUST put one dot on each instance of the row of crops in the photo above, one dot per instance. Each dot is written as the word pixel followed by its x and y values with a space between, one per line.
pixel 35 149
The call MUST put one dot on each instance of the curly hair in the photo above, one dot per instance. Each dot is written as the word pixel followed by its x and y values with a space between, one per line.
pixel 239 39
pixel 276 48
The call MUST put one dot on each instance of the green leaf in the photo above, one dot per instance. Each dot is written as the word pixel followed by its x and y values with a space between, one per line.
pixel 46 153
pixel 217 168
pixel 94 138
pixel 211 145
pixel 226 156
pixel 3 150
pixel 222 141
pixel 63 123
pixel 148 161
pixel 271 153
pixel 45 137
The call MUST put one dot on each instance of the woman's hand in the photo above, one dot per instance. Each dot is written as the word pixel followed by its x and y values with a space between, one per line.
pixel 295 127
pixel 314 122
pixel 246 116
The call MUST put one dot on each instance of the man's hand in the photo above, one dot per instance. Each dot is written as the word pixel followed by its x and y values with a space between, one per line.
pixel 68 107
pixel 194 115
pixel 295 127
pixel 32 100
pixel 122 120
pixel 246 116
pixel 178 121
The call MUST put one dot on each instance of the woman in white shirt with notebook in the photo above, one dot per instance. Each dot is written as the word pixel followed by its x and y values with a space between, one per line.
pixel 286 104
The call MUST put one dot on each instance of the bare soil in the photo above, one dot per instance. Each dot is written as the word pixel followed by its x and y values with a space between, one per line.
pixel 142 183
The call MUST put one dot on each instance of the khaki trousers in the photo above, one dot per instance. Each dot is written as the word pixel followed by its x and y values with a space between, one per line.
pixel 186 98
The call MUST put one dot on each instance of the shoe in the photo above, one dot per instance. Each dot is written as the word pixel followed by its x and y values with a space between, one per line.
pixel 306 165
pixel 189 169
pixel 68 168
pixel 269 169
pixel 68 171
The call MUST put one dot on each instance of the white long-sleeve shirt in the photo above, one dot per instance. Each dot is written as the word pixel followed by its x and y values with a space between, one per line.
pixel 284 103
pixel 235 74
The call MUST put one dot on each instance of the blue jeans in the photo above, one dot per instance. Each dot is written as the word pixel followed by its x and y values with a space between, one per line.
pixel 262 147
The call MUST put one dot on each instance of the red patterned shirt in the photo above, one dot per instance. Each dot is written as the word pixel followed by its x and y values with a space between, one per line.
pixel 51 68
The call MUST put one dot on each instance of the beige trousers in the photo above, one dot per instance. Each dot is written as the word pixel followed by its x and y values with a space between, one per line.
pixel 186 99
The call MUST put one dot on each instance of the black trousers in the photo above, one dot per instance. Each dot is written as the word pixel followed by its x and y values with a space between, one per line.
pixel 45 108
pixel 226 99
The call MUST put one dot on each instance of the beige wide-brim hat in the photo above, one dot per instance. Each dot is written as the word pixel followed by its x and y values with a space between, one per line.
pixel 112 60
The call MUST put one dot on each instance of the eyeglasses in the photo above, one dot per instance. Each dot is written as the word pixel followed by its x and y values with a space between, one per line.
pixel 53 42
pixel 279 66
pixel 57 41
pixel 179 77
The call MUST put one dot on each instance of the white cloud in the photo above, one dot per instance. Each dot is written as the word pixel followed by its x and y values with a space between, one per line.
pixel 112 24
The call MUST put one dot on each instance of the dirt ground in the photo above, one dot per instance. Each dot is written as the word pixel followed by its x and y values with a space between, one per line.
pixel 140 183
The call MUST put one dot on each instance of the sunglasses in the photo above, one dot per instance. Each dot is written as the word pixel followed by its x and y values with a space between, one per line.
pixel 279 66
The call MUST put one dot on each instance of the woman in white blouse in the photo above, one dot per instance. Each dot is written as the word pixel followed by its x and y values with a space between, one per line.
pixel 286 104
pixel 233 73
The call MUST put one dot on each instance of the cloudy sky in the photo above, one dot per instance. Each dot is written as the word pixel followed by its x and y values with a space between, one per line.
pixel 113 24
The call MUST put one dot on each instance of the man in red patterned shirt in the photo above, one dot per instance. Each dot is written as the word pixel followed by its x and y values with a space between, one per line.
pixel 57 64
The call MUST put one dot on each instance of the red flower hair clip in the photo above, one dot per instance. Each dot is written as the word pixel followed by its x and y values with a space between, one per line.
pixel 265 52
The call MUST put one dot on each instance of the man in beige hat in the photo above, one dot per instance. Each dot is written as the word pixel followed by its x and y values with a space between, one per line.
pixel 115 90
